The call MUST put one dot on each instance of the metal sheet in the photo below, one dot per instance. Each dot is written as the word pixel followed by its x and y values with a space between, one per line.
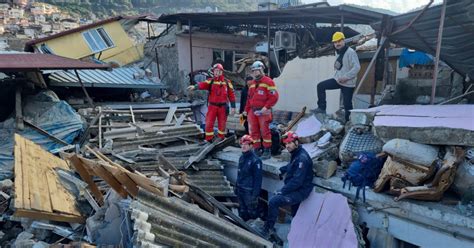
pixel 117 78
pixel 456 50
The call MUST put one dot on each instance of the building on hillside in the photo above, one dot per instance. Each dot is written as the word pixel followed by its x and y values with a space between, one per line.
pixel 105 40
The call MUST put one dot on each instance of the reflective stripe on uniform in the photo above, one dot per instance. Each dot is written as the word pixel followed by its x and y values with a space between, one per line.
pixel 264 86
pixel 220 132
pixel 267 141
pixel 209 133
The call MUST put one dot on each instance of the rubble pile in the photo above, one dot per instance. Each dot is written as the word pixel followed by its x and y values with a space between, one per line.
pixel 107 188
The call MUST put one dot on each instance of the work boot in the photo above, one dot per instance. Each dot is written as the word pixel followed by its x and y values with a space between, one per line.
pixel 318 111
pixel 266 153
pixel 268 232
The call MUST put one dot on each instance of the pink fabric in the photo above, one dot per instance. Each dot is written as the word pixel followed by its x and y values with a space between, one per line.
pixel 323 220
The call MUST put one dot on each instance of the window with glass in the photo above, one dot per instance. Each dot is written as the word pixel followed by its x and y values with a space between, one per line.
pixel 98 40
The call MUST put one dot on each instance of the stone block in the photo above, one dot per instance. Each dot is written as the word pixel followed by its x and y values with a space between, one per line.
pixel 324 168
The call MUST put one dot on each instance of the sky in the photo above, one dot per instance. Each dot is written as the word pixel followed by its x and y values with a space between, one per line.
pixel 400 6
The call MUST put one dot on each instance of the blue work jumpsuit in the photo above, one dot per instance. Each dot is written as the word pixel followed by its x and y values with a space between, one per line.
pixel 298 185
pixel 248 185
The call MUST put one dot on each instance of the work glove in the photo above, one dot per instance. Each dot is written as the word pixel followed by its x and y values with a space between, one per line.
pixel 191 87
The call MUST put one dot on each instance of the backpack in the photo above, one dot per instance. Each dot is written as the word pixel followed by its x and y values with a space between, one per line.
pixel 363 172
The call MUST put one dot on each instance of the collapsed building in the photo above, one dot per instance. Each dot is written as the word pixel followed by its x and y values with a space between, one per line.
pixel 132 170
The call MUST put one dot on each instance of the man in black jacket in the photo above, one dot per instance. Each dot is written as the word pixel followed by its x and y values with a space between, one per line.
pixel 298 181
pixel 249 180
pixel 243 101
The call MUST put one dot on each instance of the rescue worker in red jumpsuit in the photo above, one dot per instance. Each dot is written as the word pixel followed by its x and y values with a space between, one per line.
pixel 262 96
pixel 221 92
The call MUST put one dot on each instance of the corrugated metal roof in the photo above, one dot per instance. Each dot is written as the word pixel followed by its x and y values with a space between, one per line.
pixel 117 78
pixel 457 48
pixel 309 15
pixel 36 61
pixel 174 222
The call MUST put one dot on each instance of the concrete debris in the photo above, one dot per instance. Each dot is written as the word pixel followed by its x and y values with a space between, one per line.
pixel 412 152
pixel 335 127
pixel 464 180
pixel 324 168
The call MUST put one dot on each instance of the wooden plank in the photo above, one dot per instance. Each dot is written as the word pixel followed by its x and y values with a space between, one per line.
pixel 25 172
pixel 58 197
pixel 43 197
pixel 38 215
pixel 171 112
pixel 146 183
pixel 130 186
pixel 104 174
pixel 39 191
pixel 18 203
pixel 86 176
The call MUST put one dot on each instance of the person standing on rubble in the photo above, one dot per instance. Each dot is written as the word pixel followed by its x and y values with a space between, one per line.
pixel 262 96
pixel 249 180
pixel 347 67
pixel 243 103
pixel 221 92
pixel 298 179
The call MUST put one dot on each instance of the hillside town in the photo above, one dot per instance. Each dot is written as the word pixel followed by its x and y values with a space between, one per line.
pixel 287 125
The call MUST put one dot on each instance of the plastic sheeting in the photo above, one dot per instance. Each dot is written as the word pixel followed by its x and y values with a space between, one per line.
pixel 46 111
pixel 414 58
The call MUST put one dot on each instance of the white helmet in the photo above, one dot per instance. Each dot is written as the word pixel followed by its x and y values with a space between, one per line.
pixel 257 65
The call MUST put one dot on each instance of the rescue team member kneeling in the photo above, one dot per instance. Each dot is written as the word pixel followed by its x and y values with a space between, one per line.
pixel 221 92
pixel 298 182
pixel 249 180
pixel 262 96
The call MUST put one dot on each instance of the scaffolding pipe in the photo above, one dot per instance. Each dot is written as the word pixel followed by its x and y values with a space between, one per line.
pixel 438 52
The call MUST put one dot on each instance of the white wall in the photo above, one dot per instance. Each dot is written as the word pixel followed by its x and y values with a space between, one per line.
pixel 297 84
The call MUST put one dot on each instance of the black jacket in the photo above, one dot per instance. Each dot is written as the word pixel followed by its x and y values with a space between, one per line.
pixel 249 176
pixel 243 98
pixel 299 173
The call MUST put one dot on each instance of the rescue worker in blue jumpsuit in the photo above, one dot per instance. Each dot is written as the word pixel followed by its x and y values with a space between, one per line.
pixel 298 182
pixel 249 180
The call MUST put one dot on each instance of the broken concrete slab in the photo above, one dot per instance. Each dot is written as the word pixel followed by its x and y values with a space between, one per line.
pixel 426 124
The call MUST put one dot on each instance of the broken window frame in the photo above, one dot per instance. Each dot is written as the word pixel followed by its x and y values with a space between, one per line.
pixel 98 40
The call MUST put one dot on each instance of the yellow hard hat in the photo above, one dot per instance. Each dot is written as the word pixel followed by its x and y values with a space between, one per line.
pixel 337 36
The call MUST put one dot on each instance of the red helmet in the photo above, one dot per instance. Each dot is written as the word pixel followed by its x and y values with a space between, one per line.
pixel 289 137
pixel 218 66
pixel 246 139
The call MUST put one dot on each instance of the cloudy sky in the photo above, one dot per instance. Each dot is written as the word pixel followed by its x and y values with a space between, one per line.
pixel 399 6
